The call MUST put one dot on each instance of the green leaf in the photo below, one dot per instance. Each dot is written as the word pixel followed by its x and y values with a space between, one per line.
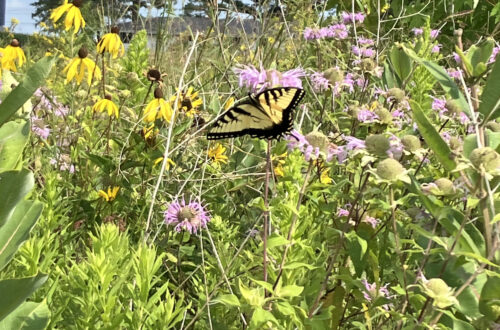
pixel 490 98
pixel 261 316
pixel 388 76
pixel 489 302
pixel 254 297
pixel 356 247
pixel 401 63
pixel 443 78
pixel 276 240
pixel 227 299
pixel 17 229
pixel 432 137
pixel 13 138
pixel 480 55
pixel 296 264
pixel 28 316
pixel 18 290
pixel 289 291
pixel 470 141
pixel 33 79
pixel 14 186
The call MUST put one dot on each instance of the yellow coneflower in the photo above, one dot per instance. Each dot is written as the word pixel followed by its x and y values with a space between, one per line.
pixel 188 102
pixel 157 108
pixel 77 67
pixel 149 132
pixel 216 154
pixel 110 195
pixel 10 54
pixel 73 15
pixel 111 43
pixel 280 159
pixel 106 104
pixel 279 171
pixel 167 165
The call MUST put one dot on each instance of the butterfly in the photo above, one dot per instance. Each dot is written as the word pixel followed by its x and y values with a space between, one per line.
pixel 266 115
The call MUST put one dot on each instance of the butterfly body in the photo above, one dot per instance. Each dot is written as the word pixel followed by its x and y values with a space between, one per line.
pixel 267 115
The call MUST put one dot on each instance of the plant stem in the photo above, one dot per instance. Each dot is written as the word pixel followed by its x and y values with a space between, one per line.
pixel 266 212
pixel 294 220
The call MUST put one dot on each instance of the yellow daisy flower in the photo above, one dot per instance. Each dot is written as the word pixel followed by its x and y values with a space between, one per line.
pixel 167 165
pixel 157 108
pixel 106 104
pixel 111 43
pixel 77 67
pixel 73 15
pixel 10 54
pixel 110 195
pixel 280 159
pixel 216 154
pixel 279 171
pixel 188 102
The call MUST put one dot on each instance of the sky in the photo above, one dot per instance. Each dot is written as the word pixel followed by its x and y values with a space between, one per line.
pixel 21 10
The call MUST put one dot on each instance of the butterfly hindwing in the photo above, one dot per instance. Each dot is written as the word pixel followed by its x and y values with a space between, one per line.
pixel 269 114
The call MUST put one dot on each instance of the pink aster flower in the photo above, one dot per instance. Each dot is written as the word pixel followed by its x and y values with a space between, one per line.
pixel 436 49
pixel 342 212
pixel 395 150
pixel 455 74
pixel 439 104
pixel 367 116
pixel 354 143
pixel 190 216
pixel 39 128
pixel 319 82
pixel 493 56
pixel 365 42
pixel 435 34
pixel 313 33
pixel 338 31
pixel 257 80
pixel 417 31
pixel 371 292
pixel 313 145
pixel 372 221
pixel 457 58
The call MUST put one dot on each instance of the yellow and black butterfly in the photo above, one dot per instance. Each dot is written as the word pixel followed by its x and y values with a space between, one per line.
pixel 267 115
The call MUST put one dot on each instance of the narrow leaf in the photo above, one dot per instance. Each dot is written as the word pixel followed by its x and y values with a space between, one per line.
pixel 490 99
pixel 432 137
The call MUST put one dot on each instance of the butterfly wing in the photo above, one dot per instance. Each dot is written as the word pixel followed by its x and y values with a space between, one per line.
pixel 268 114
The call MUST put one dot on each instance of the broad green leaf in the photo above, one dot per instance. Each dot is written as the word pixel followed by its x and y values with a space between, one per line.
pixel 443 78
pixel 388 76
pixel 490 98
pixel 260 317
pixel 289 291
pixel 477 257
pixel 34 78
pixel 17 229
pixel 13 138
pixel 356 248
pixel 432 137
pixel 480 55
pixel 14 185
pixel 18 290
pixel 28 316
pixel 489 302
pixel 451 219
pixel 401 63
pixel 227 299
pixel 254 297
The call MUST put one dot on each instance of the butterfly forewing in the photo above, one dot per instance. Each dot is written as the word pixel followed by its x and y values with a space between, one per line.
pixel 269 114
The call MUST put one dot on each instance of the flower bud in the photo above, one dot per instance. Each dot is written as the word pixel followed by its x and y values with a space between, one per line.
pixel 81 93
pixel 453 107
pixel 389 169
pixel 411 143
pixel 396 93
pixel 367 64
pixel 353 110
pixel 334 75
pixel 318 140
pixel 384 115
pixel 124 94
pixel 486 157
pixel 455 143
pixel 377 144
pixel 445 187
pixel 132 76
pixel 494 126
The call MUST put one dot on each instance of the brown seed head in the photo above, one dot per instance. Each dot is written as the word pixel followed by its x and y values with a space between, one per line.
pixel 77 3
pixel 115 29
pixel 83 52
pixel 14 43
pixel 158 93
pixel 108 97
pixel 154 75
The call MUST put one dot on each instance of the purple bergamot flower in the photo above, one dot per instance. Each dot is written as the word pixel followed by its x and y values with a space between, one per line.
pixel 188 216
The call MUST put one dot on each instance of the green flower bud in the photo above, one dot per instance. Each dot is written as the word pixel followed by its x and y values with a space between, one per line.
pixel 438 290
pixel 377 144
pixel 367 64
pixel 455 143
pixel 445 187
pixel 124 94
pixel 318 140
pixel 80 94
pixel 132 77
pixel 396 93
pixel 411 143
pixel 384 115
pixel 494 126
pixel 334 75
pixel 353 110
pixel 453 107
pixel 486 157
pixel 389 169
